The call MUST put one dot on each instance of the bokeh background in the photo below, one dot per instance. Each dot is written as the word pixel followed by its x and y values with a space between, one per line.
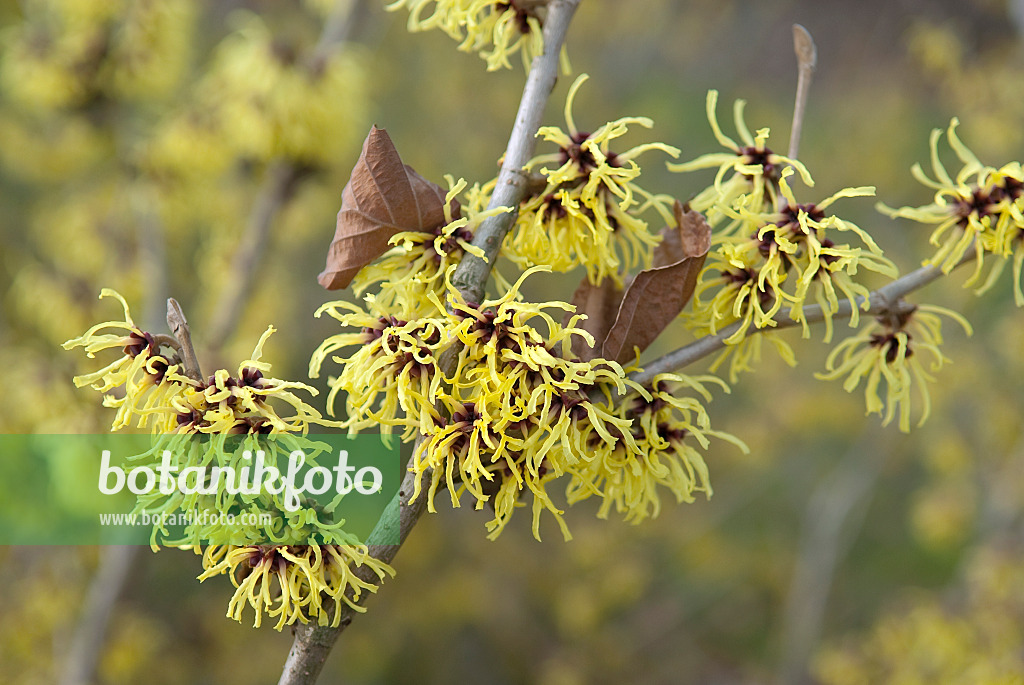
pixel 139 143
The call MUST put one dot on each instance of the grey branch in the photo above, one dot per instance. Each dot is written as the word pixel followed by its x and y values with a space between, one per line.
pixel 278 187
pixel 513 181
pixel 313 643
pixel 883 300
pixel 834 515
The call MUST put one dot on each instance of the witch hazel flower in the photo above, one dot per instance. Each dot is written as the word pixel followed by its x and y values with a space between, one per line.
pixel 495 29
pixel 981 208
pixel 749 169
pixel 888 355
pixel 590 210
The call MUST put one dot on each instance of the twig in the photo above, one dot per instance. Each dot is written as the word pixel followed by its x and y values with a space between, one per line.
pixel 91 631
pixel 312 644
pixel 513 181
pixel 179 326
pixel 338 28
pixel 278 187
pixel 879 302
pixel 164 340
pixel 807 60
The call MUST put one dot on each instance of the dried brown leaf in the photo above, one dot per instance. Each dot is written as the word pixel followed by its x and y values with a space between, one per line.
pixel 601 304
pixel 657 295
pixel 383 197
pixel 686 239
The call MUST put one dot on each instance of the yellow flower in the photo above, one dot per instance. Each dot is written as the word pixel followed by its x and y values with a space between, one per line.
pixel 66 53
pixel 308 578
pixel 589 211
pixel 798 239
pixel 156 388
pixel 749 288
pixel 628 474
pixel 981 206
pixel 557 230
pixel 755 170
pixel 586 159
pixel 395 366
pixel 519 415
pixel 268 102
pixel 496 29
pixel 295 583
pixel 149 377
pixel 149 49
pixel 449 16
pixel 890 349
pixel 781 258
pixel 226 404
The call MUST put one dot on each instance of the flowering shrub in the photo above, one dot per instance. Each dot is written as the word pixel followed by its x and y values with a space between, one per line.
pixel 507 403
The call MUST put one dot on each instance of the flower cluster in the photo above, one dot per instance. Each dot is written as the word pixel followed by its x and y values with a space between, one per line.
pixel 512 410
pixel 517 412
pixel 294 582
pixel 589 211
pixel 311 555
pixel 751 171
pixel 786 256
pixel 496 29
pixel 148 376
pixel 393 367
pixel 890 350
pixel 771 251
pixel 666 430
pixel 156 389
pixel 978 213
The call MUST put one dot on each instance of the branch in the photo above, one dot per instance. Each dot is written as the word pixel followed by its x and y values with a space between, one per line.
pixel 313 643
pixel 338 28
pixel 881 301
pixel 513 181
pixel 116 562
pixel 91 631
pixel 278 187
pixel 834 515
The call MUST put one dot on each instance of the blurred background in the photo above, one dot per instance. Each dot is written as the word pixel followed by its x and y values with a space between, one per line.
pixel 198 150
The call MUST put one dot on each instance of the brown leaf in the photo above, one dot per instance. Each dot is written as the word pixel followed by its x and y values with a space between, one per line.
pixel 600 303
pixel 657 295
pixel 383 197
pixel 685 239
